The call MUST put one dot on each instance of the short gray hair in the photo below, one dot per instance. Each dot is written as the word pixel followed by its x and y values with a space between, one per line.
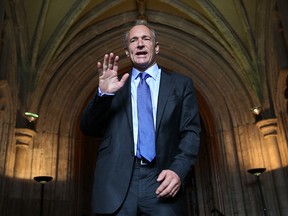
pixel 140 22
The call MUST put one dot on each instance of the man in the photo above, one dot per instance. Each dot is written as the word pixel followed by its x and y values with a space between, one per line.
pixel 127 181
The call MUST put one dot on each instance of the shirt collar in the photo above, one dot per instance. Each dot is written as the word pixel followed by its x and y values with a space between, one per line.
pixel 152 71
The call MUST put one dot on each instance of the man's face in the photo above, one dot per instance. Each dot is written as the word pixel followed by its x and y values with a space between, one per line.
pixel 141 47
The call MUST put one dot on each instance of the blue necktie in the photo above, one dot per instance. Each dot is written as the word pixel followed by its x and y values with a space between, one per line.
pixel 146 131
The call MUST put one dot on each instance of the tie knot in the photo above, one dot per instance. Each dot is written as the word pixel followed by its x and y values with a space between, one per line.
pixel 143 75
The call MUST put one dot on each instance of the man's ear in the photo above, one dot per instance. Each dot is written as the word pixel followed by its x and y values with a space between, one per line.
pixel 127 53
pixel 157 47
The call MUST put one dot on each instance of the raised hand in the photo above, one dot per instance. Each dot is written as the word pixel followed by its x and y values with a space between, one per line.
pixel 108 74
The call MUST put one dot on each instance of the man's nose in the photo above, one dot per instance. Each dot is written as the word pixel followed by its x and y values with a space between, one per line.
pixel 140 43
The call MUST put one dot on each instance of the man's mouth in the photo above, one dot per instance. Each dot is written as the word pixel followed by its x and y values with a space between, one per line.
pixel 142 53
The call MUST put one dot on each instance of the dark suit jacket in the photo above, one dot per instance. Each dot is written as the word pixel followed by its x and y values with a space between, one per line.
pixel 177 137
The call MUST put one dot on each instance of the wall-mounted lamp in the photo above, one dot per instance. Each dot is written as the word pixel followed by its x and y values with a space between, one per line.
pixel 42 180
pixel 31 117
pixel 257 172
pixel 256 110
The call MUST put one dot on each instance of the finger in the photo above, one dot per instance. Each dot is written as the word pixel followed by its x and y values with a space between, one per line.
pixel 111 61
pixel 105 62
pixel 167 189
pixel 99 68
pixel 162 187
pixel 115 64
pixel 175 191
pixel 170 191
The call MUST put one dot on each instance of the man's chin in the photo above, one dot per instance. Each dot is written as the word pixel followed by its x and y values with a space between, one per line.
pixel 141 66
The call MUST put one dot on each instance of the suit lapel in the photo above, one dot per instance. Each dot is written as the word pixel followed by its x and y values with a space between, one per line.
pixel 164 91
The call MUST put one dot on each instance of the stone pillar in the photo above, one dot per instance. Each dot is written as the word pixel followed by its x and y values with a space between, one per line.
pixel 24 141
pixel 268 128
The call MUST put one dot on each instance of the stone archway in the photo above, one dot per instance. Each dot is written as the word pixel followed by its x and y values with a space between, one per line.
pixel 71 79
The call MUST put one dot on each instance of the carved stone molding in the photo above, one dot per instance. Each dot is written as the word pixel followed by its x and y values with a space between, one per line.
pixel 24 136
pixel 142 9
pixel 267 127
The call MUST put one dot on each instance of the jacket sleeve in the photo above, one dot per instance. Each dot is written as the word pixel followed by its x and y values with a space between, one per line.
pixel 94 117
pixel 189 133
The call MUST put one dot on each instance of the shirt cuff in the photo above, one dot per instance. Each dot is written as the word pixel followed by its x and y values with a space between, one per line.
pixel 100 93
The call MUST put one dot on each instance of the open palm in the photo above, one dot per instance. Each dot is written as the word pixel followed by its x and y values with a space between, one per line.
pixel 108 74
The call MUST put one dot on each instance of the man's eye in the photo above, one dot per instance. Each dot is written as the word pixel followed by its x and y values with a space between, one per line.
pixel 133 40
pixel 147 38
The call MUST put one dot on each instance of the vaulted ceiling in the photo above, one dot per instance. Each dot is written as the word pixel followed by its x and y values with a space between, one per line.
pixel 46 18
pixel 220 44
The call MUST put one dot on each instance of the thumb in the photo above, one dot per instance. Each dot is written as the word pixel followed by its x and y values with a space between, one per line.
pixel 124 78
pixel 161 176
